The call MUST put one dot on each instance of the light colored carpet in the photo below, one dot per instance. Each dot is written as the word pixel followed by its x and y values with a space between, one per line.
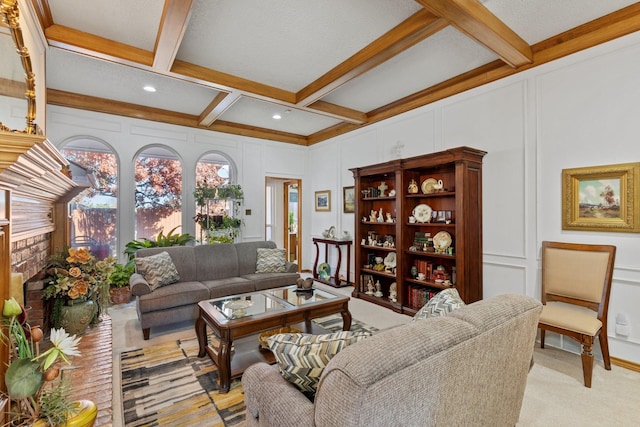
pixel 555 394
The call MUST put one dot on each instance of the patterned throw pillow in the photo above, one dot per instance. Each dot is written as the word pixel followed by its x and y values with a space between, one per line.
pixel 302 357
pixel 158 269
pixel 271 261
pixel 442 303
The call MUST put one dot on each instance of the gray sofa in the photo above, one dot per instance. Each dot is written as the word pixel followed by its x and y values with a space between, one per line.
pixel 468 368
pixel 206 271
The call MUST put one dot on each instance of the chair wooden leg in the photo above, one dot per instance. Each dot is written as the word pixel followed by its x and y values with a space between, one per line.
pixel 604 347
pixel 145 333
pixel 587 363
pixel 542 338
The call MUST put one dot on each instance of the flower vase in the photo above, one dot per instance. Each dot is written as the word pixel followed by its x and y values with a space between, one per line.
pixel 85 414
pixel 77 315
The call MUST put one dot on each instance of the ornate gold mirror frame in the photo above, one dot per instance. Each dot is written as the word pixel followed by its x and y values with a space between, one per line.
pixel 9 14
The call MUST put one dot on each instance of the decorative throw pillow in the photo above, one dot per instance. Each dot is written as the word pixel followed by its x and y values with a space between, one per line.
pixel 158 269
pixel 271 261
pixel 301 358
pixel 442 303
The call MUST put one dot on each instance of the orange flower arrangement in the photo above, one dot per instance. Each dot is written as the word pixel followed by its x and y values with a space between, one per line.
pixel 76 274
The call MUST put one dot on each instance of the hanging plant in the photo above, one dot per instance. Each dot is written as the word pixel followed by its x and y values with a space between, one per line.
pixel 204 192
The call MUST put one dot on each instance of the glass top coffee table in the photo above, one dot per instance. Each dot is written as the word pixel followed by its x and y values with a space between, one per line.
pixel 237 320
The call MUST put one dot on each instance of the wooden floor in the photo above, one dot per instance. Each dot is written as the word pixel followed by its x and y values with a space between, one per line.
pixel 93 379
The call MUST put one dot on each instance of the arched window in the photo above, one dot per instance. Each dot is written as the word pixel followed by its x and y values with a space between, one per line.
pixel 94 212
pixel 158 192
pixel 214 170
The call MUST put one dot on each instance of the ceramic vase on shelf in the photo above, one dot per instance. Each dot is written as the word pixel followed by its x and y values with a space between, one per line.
pixel 75 316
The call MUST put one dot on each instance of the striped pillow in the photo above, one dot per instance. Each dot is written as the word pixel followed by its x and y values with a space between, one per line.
pixel 158 269
pixel 442 303
pixel 271 261
pixel 301 358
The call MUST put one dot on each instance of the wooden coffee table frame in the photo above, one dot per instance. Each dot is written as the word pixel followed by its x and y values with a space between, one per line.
pixel 243 332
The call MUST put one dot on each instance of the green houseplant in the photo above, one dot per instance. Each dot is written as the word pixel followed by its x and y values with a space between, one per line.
pixel 161 240
pixel 120 291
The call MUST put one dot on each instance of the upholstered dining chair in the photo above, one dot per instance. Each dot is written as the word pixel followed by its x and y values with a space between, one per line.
pixel 576 283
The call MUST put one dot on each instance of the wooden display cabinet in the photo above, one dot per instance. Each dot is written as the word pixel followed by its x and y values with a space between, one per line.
pixel 447 206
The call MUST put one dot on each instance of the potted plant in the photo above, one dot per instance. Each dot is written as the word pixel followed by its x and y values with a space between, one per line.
pixel 37 391
pixel 79 285
pixel 120 291
pixel 162 240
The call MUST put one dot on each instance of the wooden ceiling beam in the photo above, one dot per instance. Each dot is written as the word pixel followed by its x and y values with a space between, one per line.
pixel 125 109
pixel 98 47
pixel 411 31
pixel 477 22
pixel 217 107
pixel 13 88
pixel 173 24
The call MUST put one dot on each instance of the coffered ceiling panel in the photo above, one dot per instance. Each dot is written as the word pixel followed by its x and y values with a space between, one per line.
pixel 286 44
pixel 130 22
pixel 438 58
pixel 70 72
pixel 335 65
pixel 254 112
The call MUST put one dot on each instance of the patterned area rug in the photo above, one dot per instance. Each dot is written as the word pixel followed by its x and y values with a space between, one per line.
pixel 168 385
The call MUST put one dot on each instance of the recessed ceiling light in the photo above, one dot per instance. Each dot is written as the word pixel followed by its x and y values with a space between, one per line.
pixel 276 116
pixel 149 88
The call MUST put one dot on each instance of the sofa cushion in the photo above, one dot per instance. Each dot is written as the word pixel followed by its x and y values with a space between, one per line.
pixel 442 303
pixel 217 261
pixel 271 260
pixel 262 281
pixel 231 285
pixel 171 296
pixel 183 258
pixel 301 358
pixel 157 269
pixel 248 255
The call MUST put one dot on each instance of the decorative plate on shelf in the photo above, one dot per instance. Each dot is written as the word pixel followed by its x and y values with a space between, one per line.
pixel 427 185
pixel 422 213
pixel 442 240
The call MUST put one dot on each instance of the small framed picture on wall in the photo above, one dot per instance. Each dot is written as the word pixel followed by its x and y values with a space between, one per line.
pixel 323 201
pixel 349 200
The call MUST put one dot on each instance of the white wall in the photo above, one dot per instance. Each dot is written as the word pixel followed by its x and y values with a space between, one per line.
pixel 579 111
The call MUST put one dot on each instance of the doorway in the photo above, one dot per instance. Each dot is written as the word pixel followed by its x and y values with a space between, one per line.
pixel 283 222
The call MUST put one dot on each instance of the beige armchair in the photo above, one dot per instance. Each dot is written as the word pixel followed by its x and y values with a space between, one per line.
pixel 576 283
pixel 466 368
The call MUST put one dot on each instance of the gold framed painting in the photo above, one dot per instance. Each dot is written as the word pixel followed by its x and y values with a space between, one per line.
pixel 348 199
pixel 323 201
pixel 601 198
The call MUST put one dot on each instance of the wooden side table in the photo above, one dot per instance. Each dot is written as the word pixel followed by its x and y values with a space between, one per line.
pixel 335 280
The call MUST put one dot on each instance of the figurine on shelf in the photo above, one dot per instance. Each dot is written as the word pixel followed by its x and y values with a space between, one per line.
pixel 378 292
pixel 380 216
pixel 393 293
pixel 369 287
pixel 372 216
pixel 389 219
pixel 413 187
pixel 382 187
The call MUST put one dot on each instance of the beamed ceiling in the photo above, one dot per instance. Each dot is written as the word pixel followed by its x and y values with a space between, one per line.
pixel 327 67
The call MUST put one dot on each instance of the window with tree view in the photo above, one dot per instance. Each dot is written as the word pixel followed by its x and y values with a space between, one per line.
pixel 158 192
pixel 93 213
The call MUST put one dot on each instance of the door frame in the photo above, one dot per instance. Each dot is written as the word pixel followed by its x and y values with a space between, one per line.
pixel 283 212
